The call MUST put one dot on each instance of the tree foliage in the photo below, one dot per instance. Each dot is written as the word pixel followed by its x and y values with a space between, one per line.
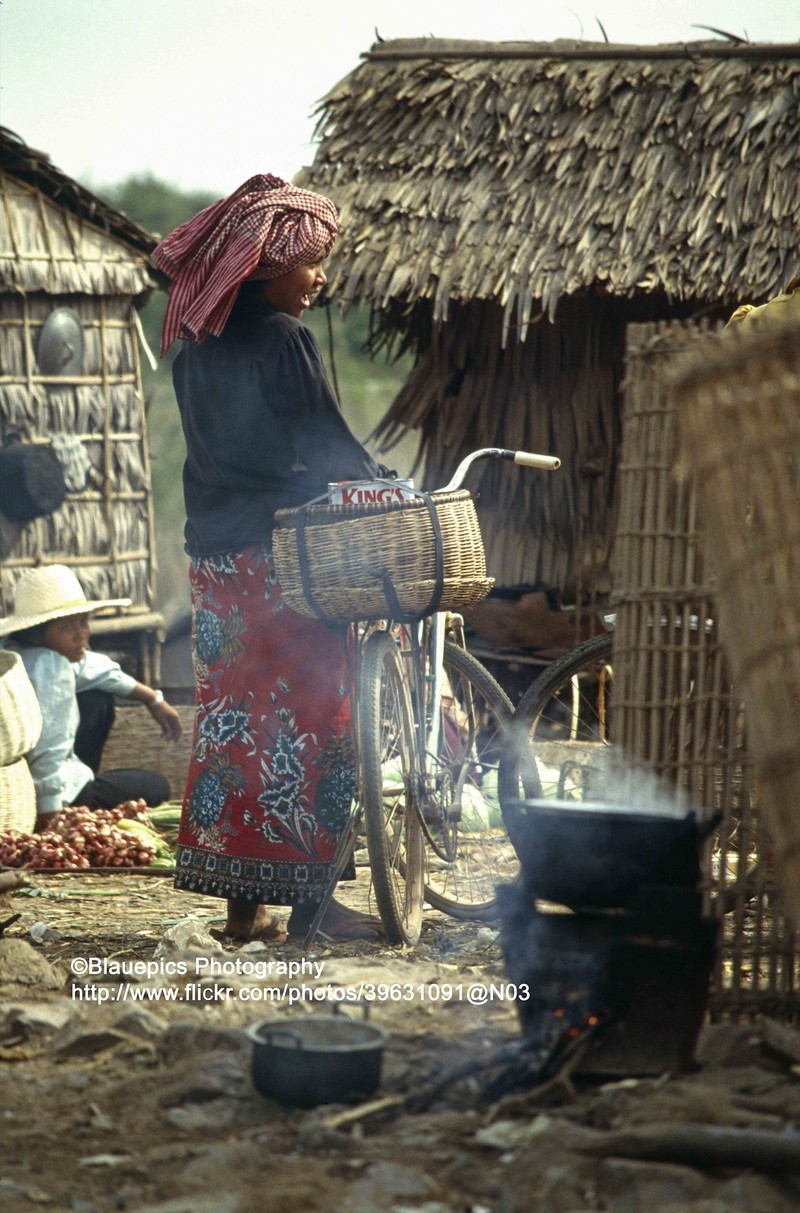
pixel 155 205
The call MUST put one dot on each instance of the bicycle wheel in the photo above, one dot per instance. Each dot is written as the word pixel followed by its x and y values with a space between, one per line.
pixel 469 852
pixel 388 777
pixel 561 733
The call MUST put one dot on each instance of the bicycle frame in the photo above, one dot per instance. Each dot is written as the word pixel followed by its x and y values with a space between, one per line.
pixel 422 646
pixel 424 653
pixel 438 624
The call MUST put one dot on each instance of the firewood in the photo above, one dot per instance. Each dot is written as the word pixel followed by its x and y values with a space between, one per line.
pixel 704 1146
pixel 9 922
pixel 343 1120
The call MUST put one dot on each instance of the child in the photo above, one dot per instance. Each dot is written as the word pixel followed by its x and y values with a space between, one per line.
pixel 75 688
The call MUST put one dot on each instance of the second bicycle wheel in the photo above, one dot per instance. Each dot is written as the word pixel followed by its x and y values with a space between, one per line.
pixel 470 851
pixel 388 780
pixel 559 744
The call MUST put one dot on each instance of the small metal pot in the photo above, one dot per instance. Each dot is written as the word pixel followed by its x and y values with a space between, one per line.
pixel 317 1060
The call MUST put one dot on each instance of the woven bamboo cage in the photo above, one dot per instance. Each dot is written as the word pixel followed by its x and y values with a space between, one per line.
pixel 678 714
pixel 54 261
pixel 664 635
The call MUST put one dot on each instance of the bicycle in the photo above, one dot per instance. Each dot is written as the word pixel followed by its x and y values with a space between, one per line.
pixel 429 723
pixel 560 741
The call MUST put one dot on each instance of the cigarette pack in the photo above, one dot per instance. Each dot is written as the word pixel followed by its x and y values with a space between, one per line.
pixel 370 492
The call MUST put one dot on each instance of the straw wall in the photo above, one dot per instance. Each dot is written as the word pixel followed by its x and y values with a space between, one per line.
pixel 677 713
pixel 555 393
pixel 105 529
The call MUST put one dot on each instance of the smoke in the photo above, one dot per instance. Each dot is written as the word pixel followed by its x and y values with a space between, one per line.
pixel 628 785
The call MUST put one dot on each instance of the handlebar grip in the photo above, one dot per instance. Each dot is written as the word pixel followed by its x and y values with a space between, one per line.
pixel 548 463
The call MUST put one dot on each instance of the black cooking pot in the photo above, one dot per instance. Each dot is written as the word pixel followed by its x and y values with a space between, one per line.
pixel 317 1060
pixel 596 855
pixel 31 481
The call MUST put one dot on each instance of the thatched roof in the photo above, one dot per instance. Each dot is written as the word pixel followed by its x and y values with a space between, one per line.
pixel 519 172
pixel 57 237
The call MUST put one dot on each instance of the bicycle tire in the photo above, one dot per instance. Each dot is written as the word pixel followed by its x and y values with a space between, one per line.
pixel 387 755
pixel 474 725
pixel 557 724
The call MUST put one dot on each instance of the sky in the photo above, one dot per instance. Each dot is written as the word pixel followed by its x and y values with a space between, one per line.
pixel 204 93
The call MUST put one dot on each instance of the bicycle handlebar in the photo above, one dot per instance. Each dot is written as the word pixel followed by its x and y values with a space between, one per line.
pixel 547 463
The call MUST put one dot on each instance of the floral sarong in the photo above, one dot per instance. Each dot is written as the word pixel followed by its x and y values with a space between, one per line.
pixel 272 775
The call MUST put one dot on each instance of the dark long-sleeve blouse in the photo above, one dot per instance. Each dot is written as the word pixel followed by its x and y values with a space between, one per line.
pixel 263 428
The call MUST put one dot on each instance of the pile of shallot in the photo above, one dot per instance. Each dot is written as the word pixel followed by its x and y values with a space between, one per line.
pixel 84 838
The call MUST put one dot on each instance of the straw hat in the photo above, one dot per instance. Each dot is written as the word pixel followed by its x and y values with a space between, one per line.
pixel 51 592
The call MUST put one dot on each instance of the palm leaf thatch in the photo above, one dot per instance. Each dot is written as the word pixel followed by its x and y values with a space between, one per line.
pixel 521 173
pixel 508 208
pixel 59 237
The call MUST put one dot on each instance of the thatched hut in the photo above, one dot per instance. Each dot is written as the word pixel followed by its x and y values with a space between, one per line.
pixel 509 208
pixel 72 272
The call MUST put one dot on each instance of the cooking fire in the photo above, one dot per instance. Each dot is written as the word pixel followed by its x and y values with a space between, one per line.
pixel 605 926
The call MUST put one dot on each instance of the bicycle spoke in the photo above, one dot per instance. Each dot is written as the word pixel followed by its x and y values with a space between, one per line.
pixel 461 807
pixel 561 738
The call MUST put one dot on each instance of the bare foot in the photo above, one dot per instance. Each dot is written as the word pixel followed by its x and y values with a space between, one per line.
pixel 247 922
pixel 340 924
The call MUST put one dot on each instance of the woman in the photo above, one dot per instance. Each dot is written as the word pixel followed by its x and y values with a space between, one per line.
pixel 272 770
pixel 76 687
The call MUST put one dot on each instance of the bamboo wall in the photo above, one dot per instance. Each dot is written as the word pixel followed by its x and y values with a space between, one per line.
pixel 677 714
pixel 105 530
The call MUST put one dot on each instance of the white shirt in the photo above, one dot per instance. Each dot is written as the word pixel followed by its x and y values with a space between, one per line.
pixel 58 774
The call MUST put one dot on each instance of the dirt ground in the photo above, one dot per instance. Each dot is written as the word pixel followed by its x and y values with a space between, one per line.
pixel 110 1102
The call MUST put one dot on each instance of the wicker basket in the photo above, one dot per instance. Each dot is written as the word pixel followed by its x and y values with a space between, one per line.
pixel 20 716
pixel 400 560
pixel 17 797
pixel 739 414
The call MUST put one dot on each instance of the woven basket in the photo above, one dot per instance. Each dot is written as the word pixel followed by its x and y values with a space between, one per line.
pixel 739 413
pixel 17 797
pixel 352 562
pixel 20 716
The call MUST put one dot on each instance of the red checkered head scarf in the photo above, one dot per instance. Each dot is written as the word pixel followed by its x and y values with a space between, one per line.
pixel 264 229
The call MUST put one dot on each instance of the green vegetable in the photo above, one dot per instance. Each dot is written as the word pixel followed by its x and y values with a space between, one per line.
pixel 148 836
